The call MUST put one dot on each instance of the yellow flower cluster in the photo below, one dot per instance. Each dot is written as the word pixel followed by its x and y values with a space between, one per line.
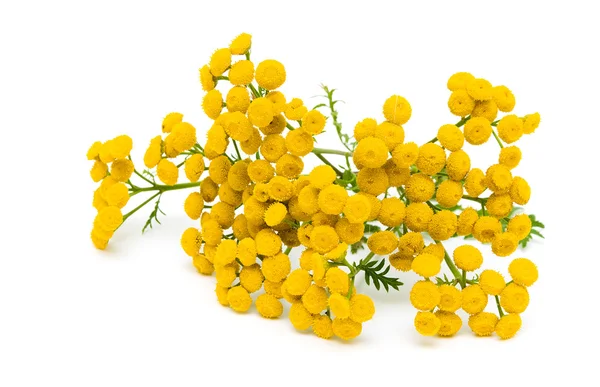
pixel 252 202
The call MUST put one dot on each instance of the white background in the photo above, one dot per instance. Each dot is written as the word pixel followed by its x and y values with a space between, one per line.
pixel 139 314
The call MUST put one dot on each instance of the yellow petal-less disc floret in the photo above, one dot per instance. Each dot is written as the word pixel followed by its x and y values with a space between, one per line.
pixel 396 109
pixel 267 243
pixel 477 130
pixel 300 318
pixel 241 73
pixel 432 159
pixel 280 189
pixel 427 323
pixel 510 128
pixel 246 251
pixel 443 225
pixel 499 205
pixel 332 199
pixel 194 166
pixel 346 329
pixel 504 244
pixel 122 169
pixel 475 183
pixel 323 239
pixel 299 142
pixel 337 280
pixel 374 181
pixel 298 282
pixel 99 171
pixel 405 155
pixel 458 165
pixel 504 98
pixel 450 323
pixel 483 324
pixel 449 193
pixel 362 308
pixel 479 89
pixel 322 327
pixel 220 61
pixel 382 242
pixel 458 81
pixel 322 176
pixel 474 299
pixel 276 268
pixel 167 172
pixel 251 278
pixel 514 298
pixel 339 305
pixel 467 257
pixel 508 326
pixel 238 99
pixel 450 298
pixel 193 205
pixel 365 128
pixel 520 225
pixel 315 299
pixel 411 244
pixel 357 209
pixel 313 122
pixel 420 188
pixel 270 74
pixel 226 252
pixel 241 44
pixel 371 152
pixel 206 78
pixel 212 104
pixel 510 156
pixel 425 295
pixel 275 214
pixel 260 112
pixel 239 299
pixel 392 212
pixel 499 178
pixel 295 109
pixel 486 228
pixel 523 271
pixel 531 122
pixel 485 109
pixel 451 137
pixel 426 265
pixel 491 282
pixel 466 221
pixel 418 216
pixel 460 103
pixel 269 306
pixel 520 192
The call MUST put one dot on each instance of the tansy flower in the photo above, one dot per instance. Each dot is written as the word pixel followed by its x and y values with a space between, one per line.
pixel 104 152
pixel 229 195
pixel 322 176
pixel 304 234
pixel 467 257
pixel 458 165
pixel 466 221
pixel 267 243
pixel 425 295
pixel 443 225
pixel 460 103
pixel 109 218
pixel 432 159
pixel 520 225
pixel 212 104
pixel 278 100
pixel 405 155
pixel 373 181
pixel 308 199
pixel 240 227
pixel 510 128
pixel 225 275
pixel 314 299
pixel 275 214
pixel 260 171
pixel 319 267
pixel 226 252
pixel 223 213
pixel 475 183
pixel 346 329
pixel 411 244
pixel 320 218
pixel 477 130
pixel 251 145
pixel 268 306
pixel 273 147
pixel 288 297
pixel 362 308
pixel 418 216
pixel 183 135
pixel 94 151
pixel 479 89
pixel 239 299
pixel 251 278
pixel 483 324
pixel 221 293
pixel 194 166
pixel 220 61
pixel 400 262
pixel 212 233
pixel 167 172
pixel 332 199
pixel 514 298
pixel 520 192
pixel 122 169
pixel 451 137
pixel 427 323
pixel 504 244
pixel 357 209
pixel 241 73
pixel 390 133
pixel 508 326
pixel 450 298
pixel 392 212
pixel 474 300
pixel 531 122
pixel 322 327
pixel 280 189
pixel 99 171
pixel 436 250
pixel 420 188
pixel 504 98
pixel 397 110
pixel 485 109
pixel 323 239
pixel 491 282
pixel 273 288
pixel 208 189
pixel 397 176
pixel 510 156
pixel 349 232
pixel 202 265
pixel 295 109
pixel 246 251
pixel 449 193
pixel 237 125
pixel 486 228
pixel 206 78
pixel 338 253
pixel 459 81
pixel 270 74
pixel 241 44
pixel 499 206
pixel 370 152
pixel 261 192
pixel 375 205
pixel 238 99
pixel 261 112
pixel 426 265
pixel 299 142
pixel 498 178
pixel 191 239
pixel 120 146
pixel 193 205
pixel 337 280
pixel 365 128
pixel 450 323
pixel 313 122
pixel 237 177
pixel 277 267
pixel 382 242
pixel 523 271
pixel 298 282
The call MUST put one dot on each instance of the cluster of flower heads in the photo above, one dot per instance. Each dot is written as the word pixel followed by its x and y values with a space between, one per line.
pixel 254 203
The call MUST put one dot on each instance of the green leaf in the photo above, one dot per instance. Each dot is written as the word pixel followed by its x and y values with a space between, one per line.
pixel 376 273
pixel 154 215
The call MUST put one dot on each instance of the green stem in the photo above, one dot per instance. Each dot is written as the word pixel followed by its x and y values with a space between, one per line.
pixel 127 215
pixel 289 126
pixel 497 139
pixel 236 149
pixel 499 307
pixel 463 121
pixel 323 159
pixel 464 279
pixel 325 151
pixel 255 92
pixel 143 177
pixel 478 200
pixel 288 250
pixel 433 140
pixel 452 267
pixel 221 78
pixel 163 188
